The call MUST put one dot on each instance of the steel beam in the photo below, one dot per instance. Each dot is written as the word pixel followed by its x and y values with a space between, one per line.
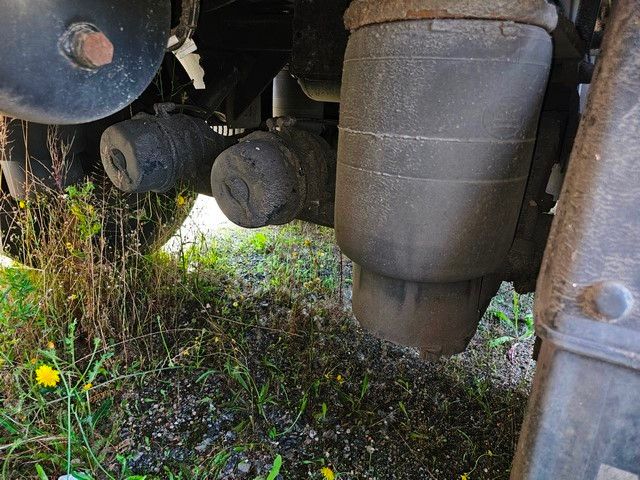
pixel 583 418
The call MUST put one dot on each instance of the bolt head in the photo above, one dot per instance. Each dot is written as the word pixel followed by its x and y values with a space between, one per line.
pixel 608 300
pixel 95 49
pixel 86 46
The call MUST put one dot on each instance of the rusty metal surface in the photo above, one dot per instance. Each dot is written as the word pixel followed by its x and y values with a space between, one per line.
pixel 595 236
pixel 188 23
pixel 87 46
pixel 534 12
pixel 584 416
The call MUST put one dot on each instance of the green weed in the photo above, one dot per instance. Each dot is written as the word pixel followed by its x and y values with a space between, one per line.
pixel 519 327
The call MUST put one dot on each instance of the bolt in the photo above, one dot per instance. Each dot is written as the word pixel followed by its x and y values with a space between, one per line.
pixel 87 46
pixel 608 300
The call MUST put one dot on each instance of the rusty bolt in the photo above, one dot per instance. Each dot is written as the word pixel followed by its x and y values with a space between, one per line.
pixel 87 46
pixel 608 300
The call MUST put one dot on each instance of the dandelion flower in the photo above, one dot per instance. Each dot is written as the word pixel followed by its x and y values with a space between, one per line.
pixel 464 476
pixel 22 204
pixel 340 379
pixel 180 201
pixel 327 473
pixel 47 376
pixel 51 345
pixel 87 387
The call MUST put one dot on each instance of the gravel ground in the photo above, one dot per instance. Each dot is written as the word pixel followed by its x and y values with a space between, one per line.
pixel 335 396
pixel 450 419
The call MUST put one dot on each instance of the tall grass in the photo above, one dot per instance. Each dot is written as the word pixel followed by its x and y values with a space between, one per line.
pixel 102 313
pixel 83 300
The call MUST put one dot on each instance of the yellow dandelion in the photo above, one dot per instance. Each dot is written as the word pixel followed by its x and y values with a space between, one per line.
pixel 464 476
pixel 327 473
pixel 51 345
pixel 22 204
pixel 340 379
pixel 307 242
pixel 87 387
pixel 180 201
pixel 47 376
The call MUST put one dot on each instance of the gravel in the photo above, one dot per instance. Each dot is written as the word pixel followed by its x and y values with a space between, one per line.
pixel 373 410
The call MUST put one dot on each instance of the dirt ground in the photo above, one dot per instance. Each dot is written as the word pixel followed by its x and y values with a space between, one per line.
pixel 306 383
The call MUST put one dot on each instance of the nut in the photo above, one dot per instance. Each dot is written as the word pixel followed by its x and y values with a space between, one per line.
pixel 87 46
pixel 94 49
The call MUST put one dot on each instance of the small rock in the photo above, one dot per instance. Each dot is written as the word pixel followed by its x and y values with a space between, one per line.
pixel 203 446
pixel 244 466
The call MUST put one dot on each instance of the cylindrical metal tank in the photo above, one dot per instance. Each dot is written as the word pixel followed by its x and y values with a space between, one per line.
pixel 437 129
pixel 73 61
pixel 290 101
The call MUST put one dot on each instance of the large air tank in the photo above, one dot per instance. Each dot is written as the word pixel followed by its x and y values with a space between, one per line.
pixel 437 129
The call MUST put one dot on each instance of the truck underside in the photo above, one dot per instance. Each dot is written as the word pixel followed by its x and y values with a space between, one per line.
pixel 440 138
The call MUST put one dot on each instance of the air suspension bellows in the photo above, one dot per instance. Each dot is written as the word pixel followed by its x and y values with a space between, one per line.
pixel 440 104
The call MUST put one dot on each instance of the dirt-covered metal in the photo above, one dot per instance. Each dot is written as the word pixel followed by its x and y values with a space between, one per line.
pixel 271 178
pixel 188 23
pixel 155 153
pixel 584 416
pixel 533 12
pixel 437 130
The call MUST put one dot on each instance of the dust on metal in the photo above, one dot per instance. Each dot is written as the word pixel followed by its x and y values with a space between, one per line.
pixel 607 300
pixel 583 409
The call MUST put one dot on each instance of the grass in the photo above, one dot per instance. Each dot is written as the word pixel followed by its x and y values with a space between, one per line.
pixel 239 349
pixel 68 309
pixel 103 320
pixel 520 326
